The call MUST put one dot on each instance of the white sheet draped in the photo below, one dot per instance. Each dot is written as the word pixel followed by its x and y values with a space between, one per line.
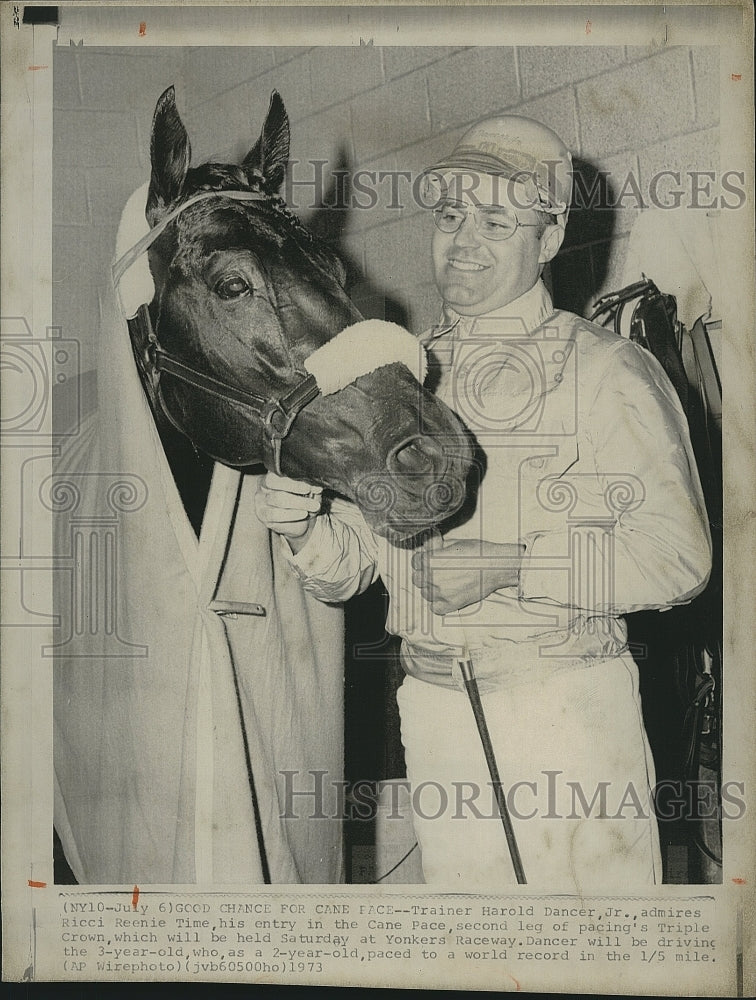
pixel 151 769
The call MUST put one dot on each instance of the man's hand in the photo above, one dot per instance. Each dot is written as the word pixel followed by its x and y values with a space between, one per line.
pixel 288 507
pixel 454 575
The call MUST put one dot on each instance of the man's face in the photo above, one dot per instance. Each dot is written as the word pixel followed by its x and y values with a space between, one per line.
pixel 475 275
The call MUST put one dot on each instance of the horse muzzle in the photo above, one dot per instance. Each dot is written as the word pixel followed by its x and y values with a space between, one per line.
pixel 423 484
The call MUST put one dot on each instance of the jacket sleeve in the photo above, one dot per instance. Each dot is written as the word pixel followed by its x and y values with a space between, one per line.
pixel 653 547
pixel 340 557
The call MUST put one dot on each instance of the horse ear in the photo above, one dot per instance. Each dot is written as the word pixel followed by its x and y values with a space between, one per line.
pixel 270 153
pixel 170 154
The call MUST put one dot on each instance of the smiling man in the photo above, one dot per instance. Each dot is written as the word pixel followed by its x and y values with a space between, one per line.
pixel 587 507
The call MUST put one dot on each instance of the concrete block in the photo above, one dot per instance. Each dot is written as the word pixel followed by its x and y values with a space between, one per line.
pixel 683 155
pixel 66 92
pixel 635 52
pixel 472 84
pixel 211 71
pixel 418 156
pixel 558 111
pixel 425 308
pixel 69 197
pixel 111 81
pixel 82 255
pixel 401 59
pixel 226 127
pixel 339 72
pixel 95 139
pixel 285 53
pixel 636 105
pixel 706 83
pixel 544 68
pixel 377 194
pixel 293 82
pixel 606 200
pixel 390 117
pixel 323 136
pixel 421 155
pixel 398 254
pixel 352 252
pixel 108 191
pixel 375 302
pixel 75 309
pixel 608 261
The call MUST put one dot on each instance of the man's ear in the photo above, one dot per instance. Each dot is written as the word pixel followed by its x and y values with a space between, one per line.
pixel 551 241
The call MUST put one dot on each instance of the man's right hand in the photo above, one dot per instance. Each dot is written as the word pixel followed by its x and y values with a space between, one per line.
pixel 288 507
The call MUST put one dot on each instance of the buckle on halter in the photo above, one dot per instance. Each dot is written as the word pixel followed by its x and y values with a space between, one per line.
pixel 278 415
pixel 277 420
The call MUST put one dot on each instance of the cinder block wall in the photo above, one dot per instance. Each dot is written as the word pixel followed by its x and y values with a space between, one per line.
pixel 619 109
pixel 102 107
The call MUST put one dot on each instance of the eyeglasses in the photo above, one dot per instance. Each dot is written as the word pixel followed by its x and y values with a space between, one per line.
pixel 492 221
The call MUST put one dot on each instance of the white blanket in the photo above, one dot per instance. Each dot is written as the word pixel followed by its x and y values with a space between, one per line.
pixel 151 768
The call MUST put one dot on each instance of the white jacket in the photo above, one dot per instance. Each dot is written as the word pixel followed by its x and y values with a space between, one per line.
pixel 588 463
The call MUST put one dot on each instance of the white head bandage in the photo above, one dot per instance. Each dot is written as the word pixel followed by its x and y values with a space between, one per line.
pixel 135 286
pixel 356 351
pixel 131 271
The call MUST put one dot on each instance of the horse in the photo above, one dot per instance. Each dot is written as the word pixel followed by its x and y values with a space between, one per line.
pixel 197 683
pixel 236 346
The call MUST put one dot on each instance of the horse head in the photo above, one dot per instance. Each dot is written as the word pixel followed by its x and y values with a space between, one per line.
pixel 253 350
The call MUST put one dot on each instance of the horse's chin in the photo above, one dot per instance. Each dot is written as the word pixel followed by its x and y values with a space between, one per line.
pixel 402 507
pixel 397 533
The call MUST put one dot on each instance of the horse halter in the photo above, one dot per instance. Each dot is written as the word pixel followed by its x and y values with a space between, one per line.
pixel 277 414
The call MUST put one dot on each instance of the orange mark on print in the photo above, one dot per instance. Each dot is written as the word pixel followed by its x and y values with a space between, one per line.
pixel 135 897
pixel 142 29
pixel 37 885
pixel 739 881
pixel 736 77
pixel 32 68
pixel 517 985
pixel 587 27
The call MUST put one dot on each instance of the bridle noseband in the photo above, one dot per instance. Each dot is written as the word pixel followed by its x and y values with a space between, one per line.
pixel 276 414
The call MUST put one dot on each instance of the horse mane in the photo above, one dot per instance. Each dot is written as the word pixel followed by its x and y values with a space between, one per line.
pixel 273 210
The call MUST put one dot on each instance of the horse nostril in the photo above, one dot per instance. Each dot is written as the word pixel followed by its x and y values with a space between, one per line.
pixel 417 455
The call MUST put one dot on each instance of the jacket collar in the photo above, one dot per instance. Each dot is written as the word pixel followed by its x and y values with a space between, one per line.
pixel 529 310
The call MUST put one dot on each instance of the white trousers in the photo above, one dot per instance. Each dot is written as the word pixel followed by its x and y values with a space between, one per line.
pixel 576 770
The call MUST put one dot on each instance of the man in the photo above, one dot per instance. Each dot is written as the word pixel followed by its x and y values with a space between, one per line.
pixel 588 507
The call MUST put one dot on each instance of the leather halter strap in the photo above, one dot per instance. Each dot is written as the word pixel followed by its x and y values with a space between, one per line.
pixel 122 265
pixel 277 414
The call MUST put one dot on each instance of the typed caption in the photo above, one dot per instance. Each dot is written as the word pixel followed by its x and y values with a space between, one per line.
pixel 377 939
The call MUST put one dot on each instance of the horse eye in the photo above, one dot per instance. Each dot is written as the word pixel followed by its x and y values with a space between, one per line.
pixel 233 286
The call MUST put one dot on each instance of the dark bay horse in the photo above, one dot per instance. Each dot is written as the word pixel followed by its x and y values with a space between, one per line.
pixel 178 720
pixel 244 298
